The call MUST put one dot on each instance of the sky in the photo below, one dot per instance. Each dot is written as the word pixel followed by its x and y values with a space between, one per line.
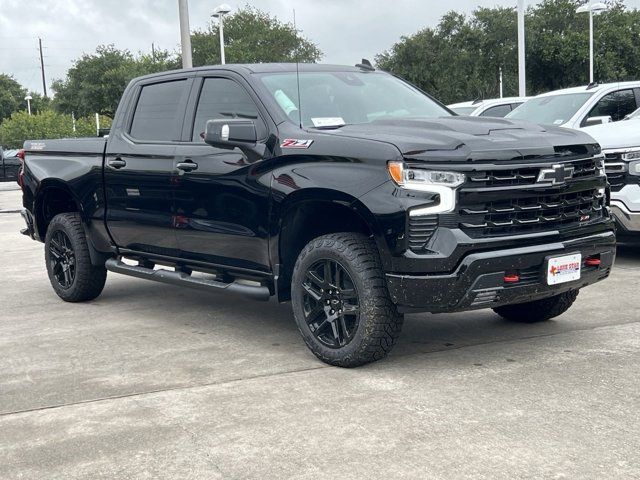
pixel 345 30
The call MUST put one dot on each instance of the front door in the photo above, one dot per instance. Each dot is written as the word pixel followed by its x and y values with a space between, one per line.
pixel 139 169
pixel 222 201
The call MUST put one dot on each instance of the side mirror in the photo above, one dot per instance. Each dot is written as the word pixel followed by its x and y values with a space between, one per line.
pixel 232 133
pixel 597 120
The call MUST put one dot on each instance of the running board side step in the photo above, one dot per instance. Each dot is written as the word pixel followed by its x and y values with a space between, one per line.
pixel 254 292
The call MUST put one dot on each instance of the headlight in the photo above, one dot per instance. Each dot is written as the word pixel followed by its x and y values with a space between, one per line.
pixel 439 182
pixel 633 155
pixel 634 168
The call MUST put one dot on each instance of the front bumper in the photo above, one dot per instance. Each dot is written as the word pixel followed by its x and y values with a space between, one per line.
pixel 478 282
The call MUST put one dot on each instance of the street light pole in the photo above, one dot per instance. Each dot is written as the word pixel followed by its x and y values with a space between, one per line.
pixel 522 76
pixel 28 98
pixel 590 45
pixel 221 28
pixel 593 9
pixel 185 34
pixel 219 13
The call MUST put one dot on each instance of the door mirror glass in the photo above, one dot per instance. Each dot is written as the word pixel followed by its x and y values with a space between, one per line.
pixel 599 120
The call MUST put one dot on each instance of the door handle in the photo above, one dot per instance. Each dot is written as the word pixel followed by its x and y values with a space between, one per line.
pixel 117 163
pixel 188 166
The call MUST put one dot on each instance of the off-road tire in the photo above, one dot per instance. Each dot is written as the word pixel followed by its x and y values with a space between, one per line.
pixel 379 323
pixel 89 279
pixel 538 310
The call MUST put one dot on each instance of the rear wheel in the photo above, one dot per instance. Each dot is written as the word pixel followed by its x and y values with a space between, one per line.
pixel 538 310
pixel 71 273
pixel 341 303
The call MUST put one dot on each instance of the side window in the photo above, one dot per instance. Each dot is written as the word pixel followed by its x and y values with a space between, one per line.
pixel 616 105
pixel 222 98
pixel 158 115
pixel 497 111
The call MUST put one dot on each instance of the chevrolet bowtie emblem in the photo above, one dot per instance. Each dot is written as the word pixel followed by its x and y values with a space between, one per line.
pixel 555 175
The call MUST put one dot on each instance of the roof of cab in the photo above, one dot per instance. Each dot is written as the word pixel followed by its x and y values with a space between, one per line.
pixel 592 88
pixel 251 68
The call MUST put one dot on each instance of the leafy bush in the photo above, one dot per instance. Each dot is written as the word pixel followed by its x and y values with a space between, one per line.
pixel 48 124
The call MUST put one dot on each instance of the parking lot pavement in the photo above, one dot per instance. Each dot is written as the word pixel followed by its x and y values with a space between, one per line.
pixel 155 381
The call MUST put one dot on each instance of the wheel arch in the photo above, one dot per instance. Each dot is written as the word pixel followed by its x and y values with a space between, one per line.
pixel 53 197
pixel 308 214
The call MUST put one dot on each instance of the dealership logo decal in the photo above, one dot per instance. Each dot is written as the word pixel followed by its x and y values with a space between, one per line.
pixel 295 143
pixel 556 175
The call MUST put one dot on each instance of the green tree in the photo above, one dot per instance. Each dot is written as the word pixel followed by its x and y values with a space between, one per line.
pixel 11 96
pixel 252 36
pixel 461 57
pixel 96 81
pixel 39 103
pixel 48 124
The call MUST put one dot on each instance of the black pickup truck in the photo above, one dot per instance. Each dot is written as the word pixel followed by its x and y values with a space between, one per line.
pixel 344 190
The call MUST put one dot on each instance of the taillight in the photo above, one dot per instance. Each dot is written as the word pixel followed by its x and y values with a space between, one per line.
pixel 20 155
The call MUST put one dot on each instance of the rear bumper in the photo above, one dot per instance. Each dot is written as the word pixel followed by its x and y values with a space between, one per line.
pixel 478 282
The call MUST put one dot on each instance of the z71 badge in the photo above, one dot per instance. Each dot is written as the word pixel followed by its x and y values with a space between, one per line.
pixel 295 143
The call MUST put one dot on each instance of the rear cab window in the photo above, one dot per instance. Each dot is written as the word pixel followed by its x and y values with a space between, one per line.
pixel 159 111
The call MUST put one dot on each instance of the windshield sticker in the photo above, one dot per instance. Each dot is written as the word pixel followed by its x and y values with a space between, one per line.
pixel 327 122
pixel 558 122
pixel 285 102
pixel 295 143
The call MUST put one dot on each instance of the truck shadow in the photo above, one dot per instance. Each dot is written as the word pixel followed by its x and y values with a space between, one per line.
pixel 263 324
pixel 253 322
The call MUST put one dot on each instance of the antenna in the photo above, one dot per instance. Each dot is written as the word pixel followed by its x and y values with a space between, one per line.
pixel 297 70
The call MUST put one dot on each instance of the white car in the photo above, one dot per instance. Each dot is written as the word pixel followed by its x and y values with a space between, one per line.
pixel 620 143
pixel 496 107
pixel 581 107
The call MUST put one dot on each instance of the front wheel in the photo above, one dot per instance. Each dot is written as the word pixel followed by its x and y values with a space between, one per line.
pixel 341 303
pixel 538 310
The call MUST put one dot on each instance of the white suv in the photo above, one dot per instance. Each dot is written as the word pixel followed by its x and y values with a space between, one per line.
pixel 581 106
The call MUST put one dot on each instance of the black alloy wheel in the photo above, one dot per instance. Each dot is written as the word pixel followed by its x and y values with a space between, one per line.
pixel 330 303
pixel 340 300
pixel 71 272
pixel 63 259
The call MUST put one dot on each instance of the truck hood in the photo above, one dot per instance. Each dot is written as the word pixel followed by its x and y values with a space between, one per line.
pixel 467 139
pixel 611 136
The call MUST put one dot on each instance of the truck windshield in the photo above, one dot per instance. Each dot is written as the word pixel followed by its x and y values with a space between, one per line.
pixel 332 99
pixel 551 109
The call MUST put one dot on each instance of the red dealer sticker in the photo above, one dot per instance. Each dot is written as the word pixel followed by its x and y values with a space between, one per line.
pixel 295 143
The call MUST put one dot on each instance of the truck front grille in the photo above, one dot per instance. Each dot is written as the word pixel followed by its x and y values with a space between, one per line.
pixel 543 211
pixel 527 175
pixel 524 205
pixel 616 170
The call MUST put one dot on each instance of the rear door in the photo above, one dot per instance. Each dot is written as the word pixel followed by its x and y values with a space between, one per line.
pixel 222 204
pixel 139 167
